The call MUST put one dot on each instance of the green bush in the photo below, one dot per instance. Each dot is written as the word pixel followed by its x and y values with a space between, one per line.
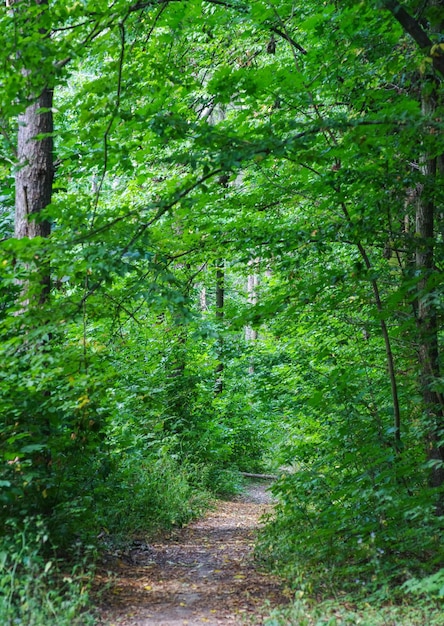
pixel 222 482
pixel 152 494
pixel 35 587
pixel 349 530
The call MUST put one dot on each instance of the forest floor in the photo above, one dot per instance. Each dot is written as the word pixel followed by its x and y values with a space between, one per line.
pixel 202 574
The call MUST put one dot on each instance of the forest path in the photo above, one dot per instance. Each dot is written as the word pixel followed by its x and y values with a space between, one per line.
pixel 203 574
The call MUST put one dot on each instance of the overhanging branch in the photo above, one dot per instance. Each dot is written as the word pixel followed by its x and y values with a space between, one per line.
pixel 416 32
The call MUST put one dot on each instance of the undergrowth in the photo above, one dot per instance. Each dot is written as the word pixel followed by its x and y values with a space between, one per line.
pixel 353 555
pixel 36 588
pixel 345 612
pixel 155 494
pixel 47 562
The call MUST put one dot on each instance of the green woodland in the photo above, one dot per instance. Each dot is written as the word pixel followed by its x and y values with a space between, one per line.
pixel 221 228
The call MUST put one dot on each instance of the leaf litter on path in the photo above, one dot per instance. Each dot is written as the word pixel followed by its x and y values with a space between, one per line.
pixel 203 574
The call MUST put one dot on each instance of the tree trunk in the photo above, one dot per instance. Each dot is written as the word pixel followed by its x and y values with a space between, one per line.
pixel 426 217
pixel 252 284
pixel 35 173
pixel 203 299
pixel 220 296
pixel 33 181
pixel 427 320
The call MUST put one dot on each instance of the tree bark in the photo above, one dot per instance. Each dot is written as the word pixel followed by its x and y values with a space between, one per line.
pixel 34 177
pixel 220 297
pixel 35 172
pixel 252 284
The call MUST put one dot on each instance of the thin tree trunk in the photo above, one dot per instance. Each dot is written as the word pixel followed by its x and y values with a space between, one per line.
pixel 427 321
pixel 387 342
pixel 203 299
pixel 252 284
pixel 220 297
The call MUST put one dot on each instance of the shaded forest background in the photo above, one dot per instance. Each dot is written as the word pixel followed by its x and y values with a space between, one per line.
pixel 222 251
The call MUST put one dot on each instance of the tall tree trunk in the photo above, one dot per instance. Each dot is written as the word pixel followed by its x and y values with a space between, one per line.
pixel 428 327
pixel 35 171
pixel 33 181
pixel 220 296
pixel 252 283
pixel 427 321
pixel 426 216
pixel 33 192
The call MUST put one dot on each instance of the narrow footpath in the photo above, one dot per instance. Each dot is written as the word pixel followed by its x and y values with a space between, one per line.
pixel 202 574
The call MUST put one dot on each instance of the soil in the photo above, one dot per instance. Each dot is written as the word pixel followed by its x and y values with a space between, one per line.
pixel 203 574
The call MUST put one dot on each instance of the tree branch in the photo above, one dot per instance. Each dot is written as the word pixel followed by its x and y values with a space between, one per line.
pixel 294 43
pixel 416 32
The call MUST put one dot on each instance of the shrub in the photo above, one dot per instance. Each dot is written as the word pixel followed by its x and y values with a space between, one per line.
pixel 35 588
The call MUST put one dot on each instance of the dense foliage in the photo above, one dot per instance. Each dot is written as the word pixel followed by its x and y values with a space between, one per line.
pixel 245 270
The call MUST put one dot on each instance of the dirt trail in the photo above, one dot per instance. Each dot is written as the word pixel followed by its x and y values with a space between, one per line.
pixel 202 574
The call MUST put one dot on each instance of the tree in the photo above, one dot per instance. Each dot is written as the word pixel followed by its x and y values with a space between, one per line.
pixel 35 161
pixel 426 231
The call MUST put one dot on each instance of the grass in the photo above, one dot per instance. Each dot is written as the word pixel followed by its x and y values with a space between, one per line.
pixel 345 612
pixel 37 589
